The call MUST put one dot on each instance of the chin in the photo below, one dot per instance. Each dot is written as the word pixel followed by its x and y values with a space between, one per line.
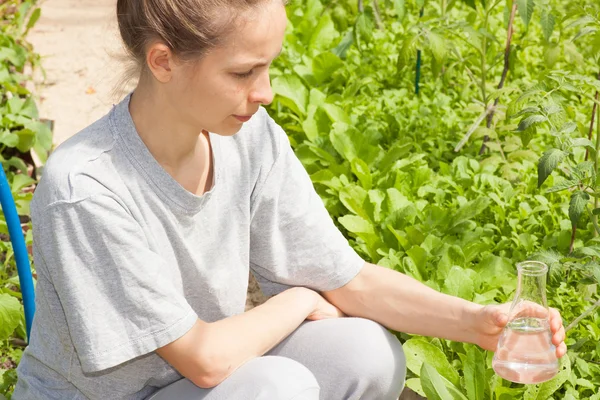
pixel 226 129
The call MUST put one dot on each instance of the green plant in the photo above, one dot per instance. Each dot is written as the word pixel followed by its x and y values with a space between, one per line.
pixel 22 135
pixel 384 162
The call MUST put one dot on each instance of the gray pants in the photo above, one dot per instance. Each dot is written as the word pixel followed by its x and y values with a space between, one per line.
pixel 332 359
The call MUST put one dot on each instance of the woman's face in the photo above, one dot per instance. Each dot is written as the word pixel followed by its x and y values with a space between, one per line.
pixel 226 87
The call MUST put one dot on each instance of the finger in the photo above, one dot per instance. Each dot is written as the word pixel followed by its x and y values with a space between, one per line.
pixel 555 325
pixel 500 319
pixel 561 350
pixel 559 336
pixel 555 316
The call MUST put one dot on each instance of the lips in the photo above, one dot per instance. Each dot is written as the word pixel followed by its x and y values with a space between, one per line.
pixel 243 118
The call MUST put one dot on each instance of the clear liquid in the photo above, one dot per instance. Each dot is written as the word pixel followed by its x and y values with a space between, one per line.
pixel 525 352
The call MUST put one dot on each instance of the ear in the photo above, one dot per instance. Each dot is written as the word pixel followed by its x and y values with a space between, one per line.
pixel 160 61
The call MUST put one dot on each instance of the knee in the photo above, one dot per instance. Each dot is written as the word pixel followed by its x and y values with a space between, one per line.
pixel 283 378
pixel 376 359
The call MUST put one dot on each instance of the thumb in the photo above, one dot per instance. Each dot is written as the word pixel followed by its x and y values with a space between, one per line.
pixel 499 318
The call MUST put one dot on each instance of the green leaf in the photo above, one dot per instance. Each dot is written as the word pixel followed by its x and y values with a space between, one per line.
pixel 548 162
pixel 29 109
pixel 474 370
pixel 418 352
pixel 9 139
pixel 408 50
pixel 342 140
pixel 562 185
pixel 10 315
pixel 291 87
pixel 469 210
pixel 20 181
pixel 356 224
pixel 400 7
pixel 324 65
pixel 362 172
pixel 470 3
pixel 363 29
pixel 458 283
pixel 342 48
pixel 547 21
pixel 419 257
pixel 353 198
pixel 545 390
pixel 324 35
pixel 436 388
pixel 579 201
pixel 35 16
pixel 530 120
pixel 437 44
pixel 398 150
pixel 26 140
pixel 583 142
pixel 43 134
pixel 525 8
pixel 415 385
pixel 336 113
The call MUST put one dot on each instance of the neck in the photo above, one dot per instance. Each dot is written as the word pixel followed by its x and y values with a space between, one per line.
pixel 162 129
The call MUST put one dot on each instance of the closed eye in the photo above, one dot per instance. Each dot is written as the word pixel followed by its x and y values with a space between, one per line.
pixel 243 75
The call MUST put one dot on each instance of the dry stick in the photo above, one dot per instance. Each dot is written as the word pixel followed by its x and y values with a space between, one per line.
pixel 473 127
pixel 582 316
pixel 509 34
pixel 17 342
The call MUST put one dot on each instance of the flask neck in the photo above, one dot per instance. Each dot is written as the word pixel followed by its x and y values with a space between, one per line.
pixel 532 288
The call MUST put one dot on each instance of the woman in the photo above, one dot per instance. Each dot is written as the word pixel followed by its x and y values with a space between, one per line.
pixel 147 222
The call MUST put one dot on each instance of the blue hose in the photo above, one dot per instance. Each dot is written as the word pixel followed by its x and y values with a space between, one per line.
pixel 20 249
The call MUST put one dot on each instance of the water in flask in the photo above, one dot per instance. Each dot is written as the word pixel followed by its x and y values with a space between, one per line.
pixel 525 352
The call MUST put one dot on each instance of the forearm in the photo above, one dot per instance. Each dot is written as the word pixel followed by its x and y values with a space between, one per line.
pixel 404 304
pixel 235 340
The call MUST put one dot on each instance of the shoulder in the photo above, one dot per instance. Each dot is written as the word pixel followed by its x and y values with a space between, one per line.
pixel 76 167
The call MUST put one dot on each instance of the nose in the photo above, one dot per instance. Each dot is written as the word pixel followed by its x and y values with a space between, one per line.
pixel 262 92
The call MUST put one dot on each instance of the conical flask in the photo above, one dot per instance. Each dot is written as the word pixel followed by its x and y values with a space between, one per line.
pixel 525 352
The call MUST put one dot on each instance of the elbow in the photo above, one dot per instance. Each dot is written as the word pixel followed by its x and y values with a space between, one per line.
pixel 211 370
pixel 206 381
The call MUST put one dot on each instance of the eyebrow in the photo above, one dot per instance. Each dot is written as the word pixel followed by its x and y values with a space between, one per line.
pixel 260 63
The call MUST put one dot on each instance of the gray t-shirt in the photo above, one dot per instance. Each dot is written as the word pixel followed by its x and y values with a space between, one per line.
pixel 127 259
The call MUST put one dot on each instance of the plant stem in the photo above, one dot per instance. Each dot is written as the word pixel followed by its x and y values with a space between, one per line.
pixel 582 316
pixel 509 35
pixel 483 69
pixel 361 8
pixel 596 200
pixel 591 131
pixel 377 14
pixel 573 233
pixel 594 220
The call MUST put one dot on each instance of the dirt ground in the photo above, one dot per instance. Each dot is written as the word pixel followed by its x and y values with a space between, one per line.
pixel 80 47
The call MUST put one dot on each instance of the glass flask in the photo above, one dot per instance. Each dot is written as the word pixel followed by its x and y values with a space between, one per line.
pixel 525 352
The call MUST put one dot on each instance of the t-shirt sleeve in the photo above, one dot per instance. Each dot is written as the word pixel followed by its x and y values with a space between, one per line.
pixel 293 240
pixel 112 287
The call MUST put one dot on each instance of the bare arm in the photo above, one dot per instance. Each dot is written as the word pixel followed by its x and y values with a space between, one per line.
pixel 210 352
pixel 404 304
